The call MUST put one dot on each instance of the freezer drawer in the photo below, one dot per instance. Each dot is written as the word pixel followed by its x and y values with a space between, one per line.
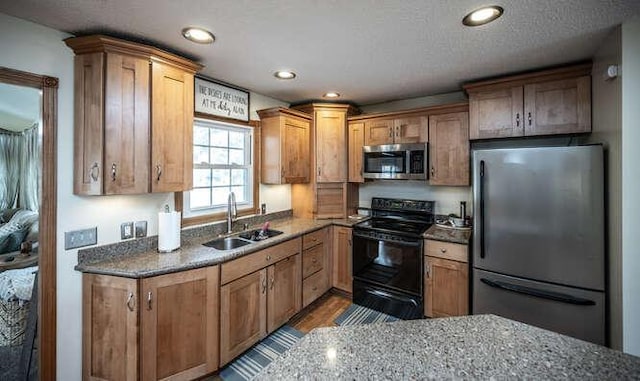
pixel 570 311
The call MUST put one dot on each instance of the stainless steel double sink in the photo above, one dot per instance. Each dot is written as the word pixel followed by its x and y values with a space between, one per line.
pixel 242 239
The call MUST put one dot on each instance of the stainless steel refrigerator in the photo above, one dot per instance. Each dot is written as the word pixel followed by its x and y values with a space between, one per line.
pixel 538 246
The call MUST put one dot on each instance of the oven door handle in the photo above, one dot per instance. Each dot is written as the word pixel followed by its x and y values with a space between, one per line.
pixel 391 296
pixel 413 242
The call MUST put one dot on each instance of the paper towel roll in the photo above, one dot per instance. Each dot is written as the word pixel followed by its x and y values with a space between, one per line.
pixel 168 231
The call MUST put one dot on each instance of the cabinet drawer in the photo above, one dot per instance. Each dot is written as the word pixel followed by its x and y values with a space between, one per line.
pixel 256 261
pixel 314 286
pixel 446 250
pixel 312 260
pixel 314 238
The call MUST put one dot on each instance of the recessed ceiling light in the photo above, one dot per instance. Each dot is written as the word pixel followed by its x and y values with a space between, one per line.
pixel 483 15
pixel 331 94
pixel 284 74
pixel 199 35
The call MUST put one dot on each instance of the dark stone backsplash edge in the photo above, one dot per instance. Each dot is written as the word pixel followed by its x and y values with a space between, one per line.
pixel 188 236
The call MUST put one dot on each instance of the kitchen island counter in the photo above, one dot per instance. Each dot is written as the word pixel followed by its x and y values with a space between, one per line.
pixel 468 347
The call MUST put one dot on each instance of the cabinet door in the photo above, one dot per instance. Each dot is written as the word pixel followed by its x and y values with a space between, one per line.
pixel 331 147
pixel 110 328
pixel 243 314
pixel 126 120
pixel 446 286
pixel 411 130
pixel 285 291
pixel 88 137
pixel 449 149
pixel 172 129
pixel 179 322
pixel 331 200
pixel 496 113
pixel 295 151
pixel 378 131
pixel 558 107
pixel 342 252
pixel 356 141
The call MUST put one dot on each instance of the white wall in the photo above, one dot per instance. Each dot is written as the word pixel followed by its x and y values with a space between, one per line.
pixel 631 186
pixel 606 103
pixel 447 198
pixel 34 48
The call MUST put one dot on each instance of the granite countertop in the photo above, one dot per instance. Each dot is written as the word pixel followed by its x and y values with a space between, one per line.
pixel 467 347
pixel 448 234
pixel 195 255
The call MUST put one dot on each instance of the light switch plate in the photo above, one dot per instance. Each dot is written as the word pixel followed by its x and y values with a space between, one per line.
pixel 126 230
pixel 80 238
pixel 141 229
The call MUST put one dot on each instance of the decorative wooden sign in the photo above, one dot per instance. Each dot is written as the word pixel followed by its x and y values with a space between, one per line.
pixel 220 100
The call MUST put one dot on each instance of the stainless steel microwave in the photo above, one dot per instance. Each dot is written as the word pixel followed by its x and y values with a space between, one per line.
pixel 396 161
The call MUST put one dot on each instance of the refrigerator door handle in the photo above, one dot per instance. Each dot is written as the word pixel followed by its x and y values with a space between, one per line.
pixel 481 209
pixel 557 296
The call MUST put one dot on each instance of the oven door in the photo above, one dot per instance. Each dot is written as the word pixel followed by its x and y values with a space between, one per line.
pixel 387 273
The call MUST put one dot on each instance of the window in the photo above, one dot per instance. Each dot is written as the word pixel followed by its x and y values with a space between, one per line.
pixel 222 163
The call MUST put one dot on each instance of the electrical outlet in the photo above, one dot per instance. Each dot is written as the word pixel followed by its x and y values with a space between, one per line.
pixel 80 238
pixel 141 229
pixel 126 230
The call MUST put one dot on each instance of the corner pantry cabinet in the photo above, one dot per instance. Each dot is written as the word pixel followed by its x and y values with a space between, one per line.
pixel 133 117
pixel 556 101
pixel 163 327
pixel 285 155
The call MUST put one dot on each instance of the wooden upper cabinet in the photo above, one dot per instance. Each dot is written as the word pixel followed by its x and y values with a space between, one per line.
pixel 356 141
pixel 331 146
pixel 285 157
pixel 411 129
pixel 496 114
pixel 111 139
pixel 172 129
pixel 117 116
pixel 449 149
pixel 556 101
pixel 558 107
pixel 378 131
pixel 180 324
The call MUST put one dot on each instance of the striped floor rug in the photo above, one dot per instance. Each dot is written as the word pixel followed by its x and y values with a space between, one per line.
pixel 356 315
pixel 255 359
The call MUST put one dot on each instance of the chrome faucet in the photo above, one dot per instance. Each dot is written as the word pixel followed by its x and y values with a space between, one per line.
pixel 232 211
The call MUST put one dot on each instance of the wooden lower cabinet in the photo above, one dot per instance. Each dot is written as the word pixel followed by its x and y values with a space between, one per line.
pixel 243 314
pixel 446 279
pixel 163 327
pixel 342 258
pixel 256 304
pixel 316 264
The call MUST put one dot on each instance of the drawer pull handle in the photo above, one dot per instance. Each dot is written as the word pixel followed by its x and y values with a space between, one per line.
pixel 315 288
pixel 314 260
pixel 130 303
pixel 443 250
pixel 268 257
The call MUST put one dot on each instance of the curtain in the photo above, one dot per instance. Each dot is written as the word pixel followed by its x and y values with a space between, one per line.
pixel 29 187
pixel 20 169
pixel 10 157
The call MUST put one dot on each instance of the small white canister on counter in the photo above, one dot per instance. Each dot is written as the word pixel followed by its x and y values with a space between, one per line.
pixel 168 230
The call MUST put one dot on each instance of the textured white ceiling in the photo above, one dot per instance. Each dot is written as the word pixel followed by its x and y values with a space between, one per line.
pixel 369 51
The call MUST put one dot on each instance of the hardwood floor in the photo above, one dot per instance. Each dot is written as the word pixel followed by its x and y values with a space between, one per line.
pixel 321 313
